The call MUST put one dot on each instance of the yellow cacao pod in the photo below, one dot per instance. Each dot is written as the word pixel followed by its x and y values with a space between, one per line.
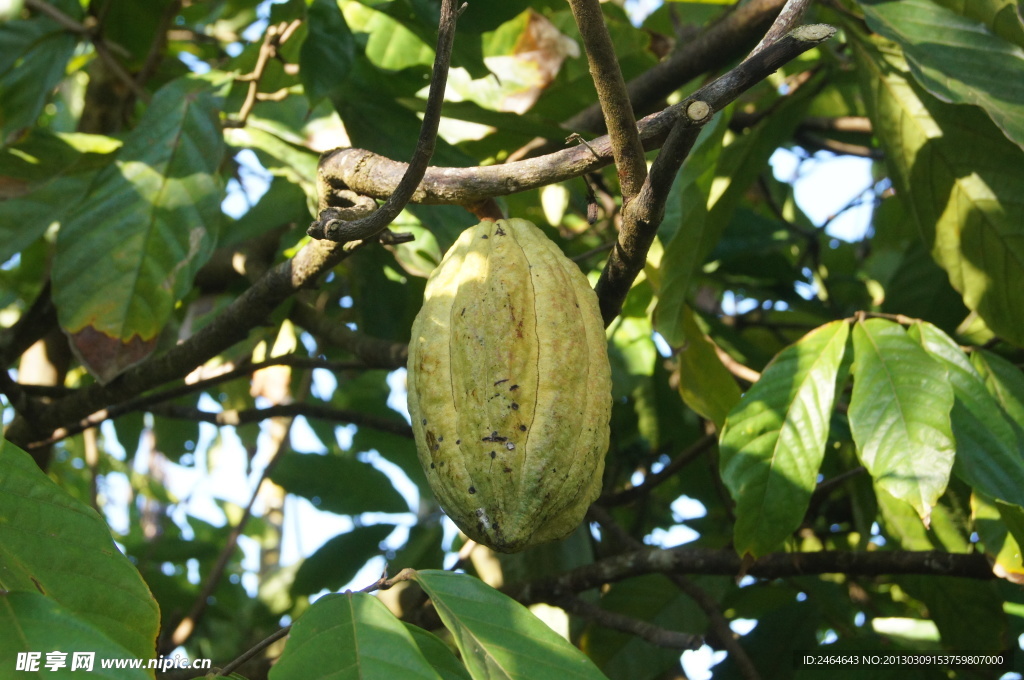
pixel 510 387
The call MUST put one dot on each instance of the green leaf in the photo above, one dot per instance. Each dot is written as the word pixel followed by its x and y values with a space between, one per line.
pixel 956 59
pixel 497 636
pixel 351 636
pixel 42 626
pixel 968 612
pixel 971 209
pixel 438 654
pixel 773 442
pixel 900 414
pixel 710 185
pixel 338 560
pixel 147 224
pixel 35 54
pixel 1003 380
pixel 45 177
pixel 327 52
pixel 337 484
pixel 988 454
pixel 54 545
pixel 705 384
pixel 991 521
pixel 681 230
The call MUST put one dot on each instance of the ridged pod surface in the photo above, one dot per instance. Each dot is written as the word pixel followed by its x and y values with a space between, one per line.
pixel 510 387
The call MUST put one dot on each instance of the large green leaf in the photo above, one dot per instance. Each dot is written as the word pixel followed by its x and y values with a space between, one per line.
pixel 774 440
pixel 351 636
pixel 1004 381
pixel 992 521
pixel 497 636
pixel 338 560
pixel 327 52
pixel 900 414
pixel 45 177
pixel 988 454
pixel 338 484
pixel 34 55
pixel 1002 17
pixel 438 654
pixel 147 224
pixel 55 546
pixel 708 190
pixel 956 59
pixel 705 384
pixel 35 623
pixel 961 179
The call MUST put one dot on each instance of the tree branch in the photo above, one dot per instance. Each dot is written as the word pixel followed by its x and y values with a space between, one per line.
pixel 370 174
pixel 309 410
pixel 627 149
pixel 713 49
pixel 331 228
pixel 231 326
pixel 784 23
pixel 690 560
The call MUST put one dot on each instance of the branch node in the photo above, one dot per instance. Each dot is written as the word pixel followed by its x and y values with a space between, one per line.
pixel 698 110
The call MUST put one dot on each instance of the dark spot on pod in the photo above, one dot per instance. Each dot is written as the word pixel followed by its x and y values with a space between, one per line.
pixel 495 527
pixel 515 406
pixel 463 311
pixel 522 428
pixel 458 441
pixel 480 525
pixel 437 447
pixel 484 236
pixel 503 380
pixel 513 388
pixel 479 512
pixel 494 438
pixel 441 438
pixel 423 422
pixel 499 231
pixel 508 469
pixel 441 464
pixel 431 466
pixel 472 489
pixel 554 469
pixel 493 454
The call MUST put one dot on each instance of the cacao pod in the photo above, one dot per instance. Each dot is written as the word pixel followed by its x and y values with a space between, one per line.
pixel 510 387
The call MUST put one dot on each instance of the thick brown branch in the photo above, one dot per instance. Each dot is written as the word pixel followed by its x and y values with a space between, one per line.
pixel 612 96
pixel 688 560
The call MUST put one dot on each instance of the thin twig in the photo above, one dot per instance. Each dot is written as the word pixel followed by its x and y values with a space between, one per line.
pixel 717 622
pixel 253 651
pixel 306 409
pixel 656 635
pixel 342 231
pixel 651 481
pixel 247 368
pixel 612 96
pixel 187 626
